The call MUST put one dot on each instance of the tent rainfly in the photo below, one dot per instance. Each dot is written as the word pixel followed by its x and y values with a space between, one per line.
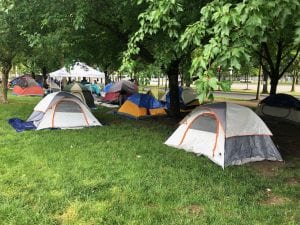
pixel 228 134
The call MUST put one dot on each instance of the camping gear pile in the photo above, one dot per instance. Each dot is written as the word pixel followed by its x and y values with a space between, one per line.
pixel 282 106
pixel 26 85
pixel 142 105
pixel 226 133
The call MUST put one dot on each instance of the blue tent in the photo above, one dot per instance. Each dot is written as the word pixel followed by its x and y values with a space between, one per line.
pixel 142 105
pixel 107 87
pixel 145 101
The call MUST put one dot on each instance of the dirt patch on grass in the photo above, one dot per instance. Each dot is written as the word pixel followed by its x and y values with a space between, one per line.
pixel 193 209
pixel 268 168
pixel 293 181
pixel 274 200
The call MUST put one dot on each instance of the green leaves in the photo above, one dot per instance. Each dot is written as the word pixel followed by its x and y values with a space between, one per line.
pixel 207 84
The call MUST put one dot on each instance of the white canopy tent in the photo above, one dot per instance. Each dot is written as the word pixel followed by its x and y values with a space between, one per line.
pixel 78 70
pixel 60 73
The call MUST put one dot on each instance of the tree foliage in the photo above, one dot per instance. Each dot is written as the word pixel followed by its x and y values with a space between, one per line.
pixel 12 42
pixel 227 33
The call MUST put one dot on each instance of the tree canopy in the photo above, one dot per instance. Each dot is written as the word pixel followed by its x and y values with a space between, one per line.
pixel 192 38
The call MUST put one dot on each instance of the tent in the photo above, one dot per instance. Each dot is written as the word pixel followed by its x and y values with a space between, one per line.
pixel 121 88
pixel 107 87
pixel 62 110
pixel 228 134
pixel 93 88
pixel 54 86
pixel 188 98
pixel 141 105
pixel 26 85
pixel 157 92
pixel 82 92
pixel 78 70
pixel 281 106
pixel 60 73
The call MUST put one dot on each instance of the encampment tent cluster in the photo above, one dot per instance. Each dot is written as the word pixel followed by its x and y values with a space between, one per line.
pixel 226 133
pixel 26 85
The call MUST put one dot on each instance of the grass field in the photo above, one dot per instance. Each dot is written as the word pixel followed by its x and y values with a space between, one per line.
pixel 122 173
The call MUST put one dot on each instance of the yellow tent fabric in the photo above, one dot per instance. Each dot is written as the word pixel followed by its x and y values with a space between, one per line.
pixel 157 112
pixel 131 109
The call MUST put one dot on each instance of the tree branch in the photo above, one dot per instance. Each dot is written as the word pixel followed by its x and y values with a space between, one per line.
pixel 123 37
pixel 279 55
pixel 290 63
pixel 261 55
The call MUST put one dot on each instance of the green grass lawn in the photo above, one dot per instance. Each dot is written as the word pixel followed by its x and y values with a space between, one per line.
pixel 122 173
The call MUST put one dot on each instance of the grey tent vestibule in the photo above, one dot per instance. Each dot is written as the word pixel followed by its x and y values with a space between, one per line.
pixel 228 134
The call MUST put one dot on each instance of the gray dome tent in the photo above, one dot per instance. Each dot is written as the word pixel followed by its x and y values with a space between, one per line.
pixel 81 92
pixel 282 106
pixel 226 133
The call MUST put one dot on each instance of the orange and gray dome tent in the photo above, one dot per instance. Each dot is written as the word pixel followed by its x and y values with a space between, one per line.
pixel 226 133
pixel 62 110
pixel 26 85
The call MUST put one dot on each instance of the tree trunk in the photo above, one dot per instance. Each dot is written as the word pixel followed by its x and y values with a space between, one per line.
pixel 294 81
pixel 265 82
pixel 173 73
pixel 5 73
pixel 107 80
pixel 274 83
pixel 44 74
pixel 258 83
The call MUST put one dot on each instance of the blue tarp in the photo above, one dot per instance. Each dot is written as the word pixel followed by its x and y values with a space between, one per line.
pixel 146 101
pixel 21 125
pixel 282 100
